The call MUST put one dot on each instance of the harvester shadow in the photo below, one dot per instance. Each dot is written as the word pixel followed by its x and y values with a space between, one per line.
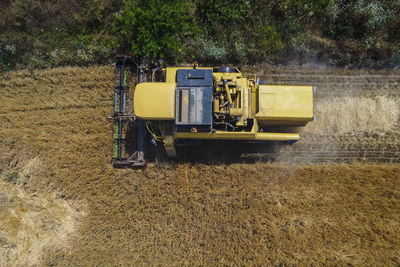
pixel 206 151
pixel 221 152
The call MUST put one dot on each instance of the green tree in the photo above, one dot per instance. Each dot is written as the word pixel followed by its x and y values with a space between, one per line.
pixel 220 17
pixel 155 28
pixel 307 10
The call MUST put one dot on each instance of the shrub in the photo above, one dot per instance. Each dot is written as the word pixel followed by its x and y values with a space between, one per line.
pixel 212 52
pixel 269 42
pixel 7 54
pixel 11 177
pixel 155 28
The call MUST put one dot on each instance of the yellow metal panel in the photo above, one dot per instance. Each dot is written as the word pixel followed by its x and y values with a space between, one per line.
pixel 254 135
pixel 285 104
pixel 222 135
pixel 155 101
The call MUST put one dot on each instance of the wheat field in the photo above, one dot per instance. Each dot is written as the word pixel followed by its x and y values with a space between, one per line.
pixel 62 203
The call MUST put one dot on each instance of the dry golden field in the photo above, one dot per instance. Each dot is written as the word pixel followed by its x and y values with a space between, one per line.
pixel 333 198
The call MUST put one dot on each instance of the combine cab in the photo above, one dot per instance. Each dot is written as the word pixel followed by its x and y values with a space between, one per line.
pixel 179 105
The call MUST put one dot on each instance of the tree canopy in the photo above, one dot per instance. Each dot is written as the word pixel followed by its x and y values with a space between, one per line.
pixel 356 33
pixel 155 28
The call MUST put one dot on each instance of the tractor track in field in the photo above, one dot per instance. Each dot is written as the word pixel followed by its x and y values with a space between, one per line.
pixel 339 156
pixel 342 148
pixel 330 153
pixel 315 156
pixel 58 108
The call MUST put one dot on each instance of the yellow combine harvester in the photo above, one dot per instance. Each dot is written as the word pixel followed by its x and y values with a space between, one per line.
pixel 181 104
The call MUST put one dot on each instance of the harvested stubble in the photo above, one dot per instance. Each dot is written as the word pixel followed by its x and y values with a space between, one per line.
pixel 33 223
pixel 55 137
pixel 354 115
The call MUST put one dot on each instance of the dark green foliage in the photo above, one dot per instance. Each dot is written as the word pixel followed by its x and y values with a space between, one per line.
pixel 7 54
pixel 220 17
pixel 11 177
pixel 355 33
pixel 155 28
pixel 307 10
pixel 55 33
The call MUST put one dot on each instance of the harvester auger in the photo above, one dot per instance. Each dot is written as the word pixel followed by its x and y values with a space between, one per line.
pixel 181 107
